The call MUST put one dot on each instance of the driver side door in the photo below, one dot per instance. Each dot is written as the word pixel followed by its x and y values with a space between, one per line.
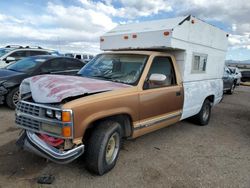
pixel 160 105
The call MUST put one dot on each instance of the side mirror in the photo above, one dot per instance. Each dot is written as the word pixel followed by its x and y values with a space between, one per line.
pixel 10 59
pixel 158 79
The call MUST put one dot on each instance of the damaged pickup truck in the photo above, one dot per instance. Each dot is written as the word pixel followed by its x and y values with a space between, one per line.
pixel 121 94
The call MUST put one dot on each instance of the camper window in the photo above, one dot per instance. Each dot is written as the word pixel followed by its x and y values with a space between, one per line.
pixel 199 63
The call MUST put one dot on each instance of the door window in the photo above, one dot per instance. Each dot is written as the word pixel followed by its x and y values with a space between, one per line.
pixel 34 53
pixel 54 65
pixel 19 54
pixel 164 66
pixel 71 64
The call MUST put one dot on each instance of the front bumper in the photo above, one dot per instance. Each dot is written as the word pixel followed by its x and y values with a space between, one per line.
pixel 31 142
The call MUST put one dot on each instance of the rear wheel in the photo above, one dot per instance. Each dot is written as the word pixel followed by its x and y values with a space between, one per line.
pixel 202 118
pixel 103 147
pixel 12 98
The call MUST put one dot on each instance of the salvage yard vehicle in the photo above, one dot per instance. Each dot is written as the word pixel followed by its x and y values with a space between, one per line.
pixel 12 76
pixel 229 81
pixel 236 74
pixel 82 56
pixel 13 53
pixel 245 75
pixel 154 74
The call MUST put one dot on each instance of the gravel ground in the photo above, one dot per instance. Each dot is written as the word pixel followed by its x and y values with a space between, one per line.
pixel 181 155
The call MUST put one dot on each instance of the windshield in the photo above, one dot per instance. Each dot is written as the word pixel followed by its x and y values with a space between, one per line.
pixel 4 51
pixel 26 65
pixel 123 68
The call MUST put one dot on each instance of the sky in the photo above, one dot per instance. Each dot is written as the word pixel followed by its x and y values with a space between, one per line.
pixel 76 25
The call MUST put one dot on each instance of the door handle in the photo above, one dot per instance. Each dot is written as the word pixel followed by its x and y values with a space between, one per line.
pixel 178 93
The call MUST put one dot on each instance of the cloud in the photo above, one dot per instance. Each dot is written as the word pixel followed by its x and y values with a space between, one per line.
pixel 130 9
pixel 58 23
pixel 240 41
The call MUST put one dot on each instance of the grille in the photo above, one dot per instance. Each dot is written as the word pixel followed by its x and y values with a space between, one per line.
pixel 28 108
pixel 28 123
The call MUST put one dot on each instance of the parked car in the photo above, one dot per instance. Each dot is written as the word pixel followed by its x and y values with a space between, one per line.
pixel 13 53
pixel 126 92
pixel 245 75
pixel 229 81
pixel 12 76
pixel 82 56
pixel 236 74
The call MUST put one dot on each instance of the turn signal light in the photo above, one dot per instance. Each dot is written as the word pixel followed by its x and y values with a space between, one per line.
pixel 166 33
pixel 134 36
pixel 66 131
pixel 66 116
pixel 125 37
pixel 102 39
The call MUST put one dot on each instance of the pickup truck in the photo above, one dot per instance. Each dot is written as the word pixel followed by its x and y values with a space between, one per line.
pixel 153 74
pixel 117 95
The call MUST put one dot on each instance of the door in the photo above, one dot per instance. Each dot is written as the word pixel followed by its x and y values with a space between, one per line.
pixel 161 104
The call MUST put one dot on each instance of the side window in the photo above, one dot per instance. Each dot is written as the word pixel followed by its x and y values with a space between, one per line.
pixel 78 57
pixel 199 63
pixel 85 57
pixel 19 54
pixel 53 65
pixel 34 53
pixel 163 66
pixel 71 64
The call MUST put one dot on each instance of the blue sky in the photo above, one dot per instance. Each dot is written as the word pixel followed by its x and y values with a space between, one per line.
pixel 75 25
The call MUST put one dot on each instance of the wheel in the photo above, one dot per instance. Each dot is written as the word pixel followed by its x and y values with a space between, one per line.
pixel 12 98
pixel 231 90
pixel 202 118
pixel 103 146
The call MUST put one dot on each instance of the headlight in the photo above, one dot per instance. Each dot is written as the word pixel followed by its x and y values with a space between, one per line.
pixel 50 113
pixel 51 129
pixel 58 115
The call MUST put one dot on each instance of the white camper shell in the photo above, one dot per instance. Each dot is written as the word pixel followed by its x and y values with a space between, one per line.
pixel 198 47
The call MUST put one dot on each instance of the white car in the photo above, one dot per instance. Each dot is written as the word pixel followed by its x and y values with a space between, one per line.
pixel 84 57
pixel 13 53
pixel 236 74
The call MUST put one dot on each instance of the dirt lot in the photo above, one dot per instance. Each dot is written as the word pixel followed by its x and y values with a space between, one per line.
pixel 182 155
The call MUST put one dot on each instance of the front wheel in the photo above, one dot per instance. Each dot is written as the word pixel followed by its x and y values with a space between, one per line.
pixel 103 147
pixel 12 98
pixel 202 118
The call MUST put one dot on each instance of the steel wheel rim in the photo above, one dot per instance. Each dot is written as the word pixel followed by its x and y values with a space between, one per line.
pixel 15 98
pixel 206 113
pixel 112 148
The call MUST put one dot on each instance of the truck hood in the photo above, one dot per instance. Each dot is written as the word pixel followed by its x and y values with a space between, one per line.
pixel 55 88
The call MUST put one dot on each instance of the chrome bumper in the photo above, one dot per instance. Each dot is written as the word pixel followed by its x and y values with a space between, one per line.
pixel 31 142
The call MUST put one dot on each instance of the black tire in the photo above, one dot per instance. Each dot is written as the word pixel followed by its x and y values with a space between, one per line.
pixel 231 90
pixel 98 147
pixel 203 117
pixel 12 98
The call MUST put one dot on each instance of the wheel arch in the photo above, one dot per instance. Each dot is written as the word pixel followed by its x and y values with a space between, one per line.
pixel 124 119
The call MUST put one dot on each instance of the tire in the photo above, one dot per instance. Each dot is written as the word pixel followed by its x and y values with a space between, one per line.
pixel 203 117
pixel 231 90
pixel 12 98
pixel 103 147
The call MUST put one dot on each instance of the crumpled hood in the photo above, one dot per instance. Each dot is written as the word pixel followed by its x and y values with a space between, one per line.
pixel 55 88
